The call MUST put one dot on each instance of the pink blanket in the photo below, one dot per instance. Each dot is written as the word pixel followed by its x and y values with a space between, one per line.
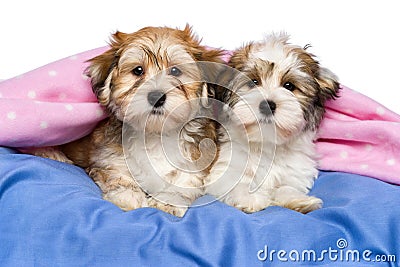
pixel 50 105
pixel 54 104
pixel 361 136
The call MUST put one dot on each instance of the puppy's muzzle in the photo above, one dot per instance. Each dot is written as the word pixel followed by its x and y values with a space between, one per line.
pixel 156 98
pixel 267 107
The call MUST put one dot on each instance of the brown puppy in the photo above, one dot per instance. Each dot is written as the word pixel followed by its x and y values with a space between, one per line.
pixel 148 152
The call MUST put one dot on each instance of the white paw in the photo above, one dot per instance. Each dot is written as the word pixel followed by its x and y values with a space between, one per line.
pixel 127 198
pixel 246 201
pixel 174 203
pixel 171 209
pixel 304 204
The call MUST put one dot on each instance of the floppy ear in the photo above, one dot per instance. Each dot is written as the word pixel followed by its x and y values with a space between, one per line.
pixel 102 66
pixel 99 70
pixel 328 83
pixel 328 88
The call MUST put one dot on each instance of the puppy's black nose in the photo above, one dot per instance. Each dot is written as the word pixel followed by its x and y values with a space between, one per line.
pixel 267 107
pixel 156 98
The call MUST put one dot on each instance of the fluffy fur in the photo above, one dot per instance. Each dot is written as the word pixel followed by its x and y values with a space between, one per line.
pixel 274 102
pixel 152 150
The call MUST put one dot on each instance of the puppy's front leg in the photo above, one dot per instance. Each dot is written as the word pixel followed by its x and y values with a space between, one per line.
pixel 118 188
pixel 169 208
pixel 291 198
pixel 53 153
pixel 242 198
pixel 175 202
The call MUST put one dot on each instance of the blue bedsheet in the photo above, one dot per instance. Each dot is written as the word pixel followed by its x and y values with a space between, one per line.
pixel 52 214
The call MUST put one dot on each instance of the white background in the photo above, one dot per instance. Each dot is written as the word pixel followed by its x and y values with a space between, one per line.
pixel 358 40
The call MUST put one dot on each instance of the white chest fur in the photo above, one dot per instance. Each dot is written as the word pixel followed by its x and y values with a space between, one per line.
pixel 246 170
pixel 163 167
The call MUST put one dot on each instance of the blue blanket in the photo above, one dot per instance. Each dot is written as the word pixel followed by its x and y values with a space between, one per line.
pixel 52 214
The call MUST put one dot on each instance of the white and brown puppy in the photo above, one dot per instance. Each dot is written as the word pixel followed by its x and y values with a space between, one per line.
pixel 274 104
pixel 149 152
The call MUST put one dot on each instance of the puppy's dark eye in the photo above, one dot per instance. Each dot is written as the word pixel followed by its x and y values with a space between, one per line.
pixel 174 71
pixel 138 71
pixel 289 86
pixel 253 83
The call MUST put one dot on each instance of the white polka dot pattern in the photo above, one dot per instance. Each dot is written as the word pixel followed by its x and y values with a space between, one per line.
pixel 359 135
pixel 11 115
pixel 43 125
pixel 49 105
pixel 32 94
pixel 52 73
